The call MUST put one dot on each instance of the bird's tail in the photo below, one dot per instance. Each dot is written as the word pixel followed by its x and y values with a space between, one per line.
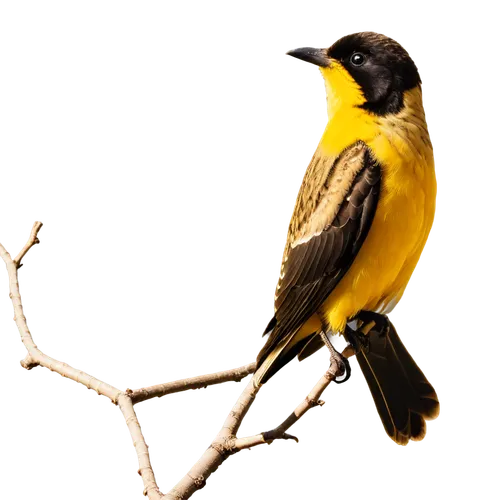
pixel 267 366
pixel 275 355
pixel 403 396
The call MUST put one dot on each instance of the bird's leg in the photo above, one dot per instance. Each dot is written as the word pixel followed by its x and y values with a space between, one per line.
pixel 374 321
pixel 357 339
pixel 342 363
pixel 367 322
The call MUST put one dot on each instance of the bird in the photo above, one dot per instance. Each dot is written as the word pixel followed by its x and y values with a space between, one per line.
pixel 361 219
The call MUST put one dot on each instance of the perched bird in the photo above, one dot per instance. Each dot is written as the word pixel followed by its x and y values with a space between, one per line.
pixel 360 223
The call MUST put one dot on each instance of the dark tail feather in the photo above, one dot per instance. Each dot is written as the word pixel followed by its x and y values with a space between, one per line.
pixel 403 396
pixel 275 355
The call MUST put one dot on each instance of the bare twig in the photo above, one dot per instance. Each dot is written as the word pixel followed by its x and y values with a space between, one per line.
pixel 35 356
pixel 202 381
pixel 141 448
pixel 32 240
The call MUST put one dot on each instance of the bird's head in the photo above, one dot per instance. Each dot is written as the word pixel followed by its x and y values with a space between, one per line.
pixel 366 70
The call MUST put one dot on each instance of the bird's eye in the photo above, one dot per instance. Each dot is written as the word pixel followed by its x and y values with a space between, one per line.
pixel 357 59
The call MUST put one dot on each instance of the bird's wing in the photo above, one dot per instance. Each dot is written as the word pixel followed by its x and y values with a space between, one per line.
pixel 332 217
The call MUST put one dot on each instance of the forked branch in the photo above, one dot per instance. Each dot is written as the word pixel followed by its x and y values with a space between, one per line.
pixel 225 444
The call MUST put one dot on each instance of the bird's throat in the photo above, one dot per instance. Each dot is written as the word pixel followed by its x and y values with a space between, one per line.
pixel 346 126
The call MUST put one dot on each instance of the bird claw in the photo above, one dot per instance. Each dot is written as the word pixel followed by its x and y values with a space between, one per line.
pixel 290 436
pixel 347 373
pixel 340 369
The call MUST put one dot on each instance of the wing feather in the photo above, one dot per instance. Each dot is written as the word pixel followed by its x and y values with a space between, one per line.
pixel 328 227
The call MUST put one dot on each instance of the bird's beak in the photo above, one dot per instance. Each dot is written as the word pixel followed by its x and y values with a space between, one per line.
pixel 311 55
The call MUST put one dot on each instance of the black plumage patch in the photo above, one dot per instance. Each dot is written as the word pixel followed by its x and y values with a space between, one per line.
pixel 385 73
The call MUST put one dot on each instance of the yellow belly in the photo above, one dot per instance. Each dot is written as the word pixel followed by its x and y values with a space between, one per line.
pixel 380 272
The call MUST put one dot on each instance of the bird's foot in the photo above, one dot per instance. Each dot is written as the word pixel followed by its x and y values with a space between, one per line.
pixel 373 321
pixel 368 323
pixel 358 340
pixel 340 369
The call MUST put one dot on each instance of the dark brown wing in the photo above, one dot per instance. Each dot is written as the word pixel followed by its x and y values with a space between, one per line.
pixel 317 258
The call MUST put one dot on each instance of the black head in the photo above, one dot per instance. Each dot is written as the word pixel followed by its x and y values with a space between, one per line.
pixel 378 64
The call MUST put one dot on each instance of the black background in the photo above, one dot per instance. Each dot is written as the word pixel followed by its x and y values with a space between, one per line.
pixel 171 180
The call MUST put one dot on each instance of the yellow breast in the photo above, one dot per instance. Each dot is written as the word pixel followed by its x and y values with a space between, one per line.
pixel 379 274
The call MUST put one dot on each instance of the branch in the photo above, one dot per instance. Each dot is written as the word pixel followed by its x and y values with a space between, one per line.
pixel 226 443
pixel 141 448
pixel 36 357
pixel 125 400
pixel 33 240
pixel 199 382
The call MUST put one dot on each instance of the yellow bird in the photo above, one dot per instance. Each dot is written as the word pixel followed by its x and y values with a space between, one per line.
pixel 360 223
